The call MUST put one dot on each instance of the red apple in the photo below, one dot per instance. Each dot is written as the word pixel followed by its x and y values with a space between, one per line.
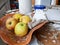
pixel 10 23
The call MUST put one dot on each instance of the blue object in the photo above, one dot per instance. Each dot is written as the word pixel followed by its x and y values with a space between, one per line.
pixel 39 7
pixel 16 3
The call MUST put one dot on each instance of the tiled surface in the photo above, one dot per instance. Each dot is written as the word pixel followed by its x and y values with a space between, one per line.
pixel 1 42
pixel 1 2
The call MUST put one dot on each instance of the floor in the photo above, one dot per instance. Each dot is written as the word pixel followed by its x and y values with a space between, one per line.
pixel 2 43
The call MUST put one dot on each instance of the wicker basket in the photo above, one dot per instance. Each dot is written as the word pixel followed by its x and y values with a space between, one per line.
pixel 48 35
pixel 11 39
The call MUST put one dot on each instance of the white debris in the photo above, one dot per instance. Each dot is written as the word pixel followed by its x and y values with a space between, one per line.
pixel 54 36
pixel 46 40
pixel 49 33
pixel 43 36
pixel 54 41
pixel 18 41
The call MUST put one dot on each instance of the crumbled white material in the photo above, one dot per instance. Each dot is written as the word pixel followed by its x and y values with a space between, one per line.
pixel 9 11
pixel 56 26
pixel 52 30
pixel 39 14
pixel 34 23
pixel 43 36
pixel 13 10
pixel 49 33
pixel 46 40
pixel 55 35
pixel 51 27
pixel 51 14
pixel 36 19
pixel 18 41
pixel 54 41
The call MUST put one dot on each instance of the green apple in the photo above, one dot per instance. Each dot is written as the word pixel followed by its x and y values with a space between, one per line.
pixel 17 16
pixel 10 23
pixel 25 19
pixel 21 29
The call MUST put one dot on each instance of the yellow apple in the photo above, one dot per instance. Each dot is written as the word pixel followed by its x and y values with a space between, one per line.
pixel 10 23
pixel 17 16
pixel 25 19
pixel 21 29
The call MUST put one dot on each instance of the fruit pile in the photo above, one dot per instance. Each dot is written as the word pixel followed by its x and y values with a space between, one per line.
pixel 18 23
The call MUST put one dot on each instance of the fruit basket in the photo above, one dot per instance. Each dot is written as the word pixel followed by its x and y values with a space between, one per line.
pixel 10 38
